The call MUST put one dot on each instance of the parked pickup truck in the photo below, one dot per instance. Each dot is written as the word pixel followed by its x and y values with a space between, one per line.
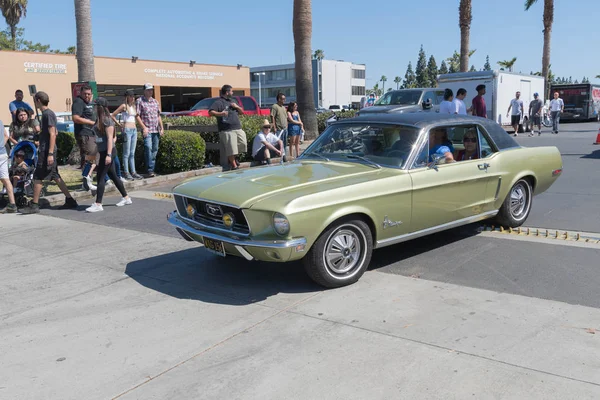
pixel 248 104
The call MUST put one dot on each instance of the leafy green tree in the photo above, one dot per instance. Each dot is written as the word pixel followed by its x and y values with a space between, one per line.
pixel 319 54
pixel 432 71
pixel 13 11
pixel 6 43
pixel 473 69
pixel 585 80
pixel 443 68
pixel 487 66
pixel 508 64
pixel 548 20
pixel 422 74
pixel 397 81
pixel 410 80
pixel 383 80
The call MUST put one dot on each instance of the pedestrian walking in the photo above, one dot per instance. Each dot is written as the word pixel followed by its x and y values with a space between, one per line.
pixel 148 116
pixel 478 107
pixel 535 114
pixel 17 103
pixel 24 128
pixel 557 107
pixel 84 119
pixel 446 106
pixel 516 105
pixel 279 120
pixel 105 139
pixel 128 113
pixel 459 104
pixel 46 168
pixel 295 128
pixel 231 136
pixel 4 176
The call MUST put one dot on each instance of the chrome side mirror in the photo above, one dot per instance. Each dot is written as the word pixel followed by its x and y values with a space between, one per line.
pixel 435 160
pixel 427 104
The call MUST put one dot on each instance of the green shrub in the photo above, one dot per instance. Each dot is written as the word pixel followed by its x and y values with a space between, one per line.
pixel 65 141
pixel 322 118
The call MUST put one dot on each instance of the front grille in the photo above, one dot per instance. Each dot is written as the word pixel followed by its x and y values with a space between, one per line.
pixel 211 214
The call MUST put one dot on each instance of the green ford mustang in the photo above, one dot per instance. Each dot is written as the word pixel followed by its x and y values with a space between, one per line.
pixel 365 183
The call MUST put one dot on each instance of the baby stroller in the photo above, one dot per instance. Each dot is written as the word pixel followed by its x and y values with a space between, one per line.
pixel 24 187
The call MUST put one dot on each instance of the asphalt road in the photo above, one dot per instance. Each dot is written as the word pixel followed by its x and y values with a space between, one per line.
pixel 548 270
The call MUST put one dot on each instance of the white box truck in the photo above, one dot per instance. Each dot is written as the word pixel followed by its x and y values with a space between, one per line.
pixel 501 87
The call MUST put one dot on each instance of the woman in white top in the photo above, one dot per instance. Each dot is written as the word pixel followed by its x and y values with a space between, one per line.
pixel 128 113
pixel 446 106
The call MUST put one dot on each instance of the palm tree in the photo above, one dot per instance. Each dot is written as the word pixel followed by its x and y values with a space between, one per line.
pixel 319 54
pixel 302 28
pixel 85 47
pixel 383 80
pixel 508 64
pixel 464 22
pixel 13 11
pixel 597 76
pixel 397 81
pixel 548 20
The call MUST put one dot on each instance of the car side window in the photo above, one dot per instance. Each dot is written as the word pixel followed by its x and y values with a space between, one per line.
pixel 444 142
pixel 485 146
pixel 439 96
pixel 248 104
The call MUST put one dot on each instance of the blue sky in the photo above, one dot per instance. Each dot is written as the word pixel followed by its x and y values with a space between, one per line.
pixel 383 34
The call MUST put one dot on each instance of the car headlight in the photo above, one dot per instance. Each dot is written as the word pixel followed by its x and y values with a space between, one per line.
pixel 281 224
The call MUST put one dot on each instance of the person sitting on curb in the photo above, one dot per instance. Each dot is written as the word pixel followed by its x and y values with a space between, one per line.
pixel 265 144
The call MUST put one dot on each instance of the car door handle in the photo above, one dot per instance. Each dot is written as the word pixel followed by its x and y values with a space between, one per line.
pixel 483 166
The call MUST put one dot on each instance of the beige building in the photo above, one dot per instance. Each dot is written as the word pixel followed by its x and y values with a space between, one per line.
pixel 178 86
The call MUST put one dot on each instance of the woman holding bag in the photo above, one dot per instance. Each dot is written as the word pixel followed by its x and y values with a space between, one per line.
pixel 105 131
pixel 128 113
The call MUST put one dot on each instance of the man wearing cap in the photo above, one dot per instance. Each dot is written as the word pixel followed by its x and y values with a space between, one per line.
pixel 266 144
pixel 148 116
pixel 535 113
pixel 231 135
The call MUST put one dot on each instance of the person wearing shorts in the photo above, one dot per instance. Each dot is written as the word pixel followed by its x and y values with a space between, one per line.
pixel 535 114
pixel 46 168
pixel 84 120
pixel 266 144
pixel 4 176
pixel 516 105
pixel 231 136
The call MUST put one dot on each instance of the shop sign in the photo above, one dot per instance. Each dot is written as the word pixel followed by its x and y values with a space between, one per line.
pixel 183 74
pixel 45 68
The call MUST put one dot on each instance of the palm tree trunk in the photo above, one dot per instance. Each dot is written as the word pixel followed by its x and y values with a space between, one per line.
pixel 548 20
pixel 13 35
pixel 85 47
pixel 302 28
pixel 464 21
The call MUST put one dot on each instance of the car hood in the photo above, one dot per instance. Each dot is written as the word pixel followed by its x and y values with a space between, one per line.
pixel 387 109
pixel 244 188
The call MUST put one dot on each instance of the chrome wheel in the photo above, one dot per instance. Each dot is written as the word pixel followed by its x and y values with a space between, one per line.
pixel 345 251
pixel 519 201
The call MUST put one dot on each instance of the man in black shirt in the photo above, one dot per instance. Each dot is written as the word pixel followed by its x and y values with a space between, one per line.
pixel 84 119
pixel 231 135
pixel 46 168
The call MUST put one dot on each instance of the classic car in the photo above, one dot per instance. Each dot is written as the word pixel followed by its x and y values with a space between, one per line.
pixel 365 183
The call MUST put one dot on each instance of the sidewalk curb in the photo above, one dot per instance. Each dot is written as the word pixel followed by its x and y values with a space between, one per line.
pixel 59 199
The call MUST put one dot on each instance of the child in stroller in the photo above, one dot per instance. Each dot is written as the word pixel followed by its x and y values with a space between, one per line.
pixel 23 159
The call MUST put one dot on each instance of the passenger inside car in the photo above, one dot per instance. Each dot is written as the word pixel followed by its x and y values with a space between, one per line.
pixel 439 144
pixel 471 150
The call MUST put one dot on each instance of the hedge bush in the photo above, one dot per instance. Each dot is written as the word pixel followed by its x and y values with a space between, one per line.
pixel 178 151
pixel 65 141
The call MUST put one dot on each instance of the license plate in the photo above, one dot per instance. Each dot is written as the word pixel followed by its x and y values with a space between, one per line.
pixel 215 246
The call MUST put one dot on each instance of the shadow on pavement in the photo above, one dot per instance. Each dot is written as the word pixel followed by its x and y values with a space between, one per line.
pixel 196 274
pixel 595 155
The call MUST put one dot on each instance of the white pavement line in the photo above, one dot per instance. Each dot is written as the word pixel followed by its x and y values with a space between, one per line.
pixel 217 345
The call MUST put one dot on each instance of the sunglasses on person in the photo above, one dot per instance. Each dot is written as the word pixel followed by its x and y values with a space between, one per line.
pixel 469 139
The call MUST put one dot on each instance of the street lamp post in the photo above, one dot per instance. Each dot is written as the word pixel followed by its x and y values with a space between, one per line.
pixel 259 88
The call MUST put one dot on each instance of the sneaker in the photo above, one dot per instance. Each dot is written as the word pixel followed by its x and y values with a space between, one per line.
pixel 9 209
pixel 539 133
pixel 123 179
pixel 95 207
pixel 70 203
pixel 150 174
pixel 32 208
pixel 87 183
pixel 531 134
pixel 137 176
pixel 3 191
pixel 516 134
pixel 127 177
pixel 125 201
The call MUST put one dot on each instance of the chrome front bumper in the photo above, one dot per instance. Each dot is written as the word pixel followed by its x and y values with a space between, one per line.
pixel 265 250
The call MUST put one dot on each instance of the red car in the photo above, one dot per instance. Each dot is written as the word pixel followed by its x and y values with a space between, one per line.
pixel 248 104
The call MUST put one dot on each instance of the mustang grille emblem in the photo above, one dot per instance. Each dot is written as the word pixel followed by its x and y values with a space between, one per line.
pixel 214 210
pixel 387 223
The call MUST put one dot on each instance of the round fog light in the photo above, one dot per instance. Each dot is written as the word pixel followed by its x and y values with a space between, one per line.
pixel 191 211
pixel 228 220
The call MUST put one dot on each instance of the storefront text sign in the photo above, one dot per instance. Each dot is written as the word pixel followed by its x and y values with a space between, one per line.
pixel 182 74
pixel 45 68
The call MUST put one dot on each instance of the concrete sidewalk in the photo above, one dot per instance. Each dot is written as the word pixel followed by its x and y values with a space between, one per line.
pixel 94 312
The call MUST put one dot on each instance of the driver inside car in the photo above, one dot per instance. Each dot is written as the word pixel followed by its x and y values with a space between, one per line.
pixel 440 145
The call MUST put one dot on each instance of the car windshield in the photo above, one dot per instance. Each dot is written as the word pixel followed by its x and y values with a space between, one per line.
pixel 400 98
pixel 371 144
pixel 204 104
